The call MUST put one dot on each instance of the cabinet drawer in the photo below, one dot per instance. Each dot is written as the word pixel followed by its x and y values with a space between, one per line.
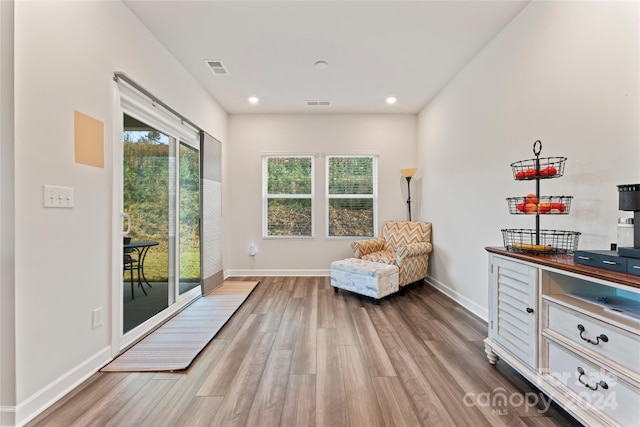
pixel 616 401
pixel 633 266
pixel 602 259
pixel 612 343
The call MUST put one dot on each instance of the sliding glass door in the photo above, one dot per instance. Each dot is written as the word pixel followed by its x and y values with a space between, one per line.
pixel 189 245
pixel 161 202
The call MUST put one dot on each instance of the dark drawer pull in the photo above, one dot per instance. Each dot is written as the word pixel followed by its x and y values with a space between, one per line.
pixel 598 384
pixel 601 337
pixel 529 310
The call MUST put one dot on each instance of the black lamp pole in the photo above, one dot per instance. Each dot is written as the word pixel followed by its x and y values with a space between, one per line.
pixel 409 193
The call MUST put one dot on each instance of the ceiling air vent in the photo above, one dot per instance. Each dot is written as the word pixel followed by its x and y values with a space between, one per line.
pixel 217 67
pixel 315 103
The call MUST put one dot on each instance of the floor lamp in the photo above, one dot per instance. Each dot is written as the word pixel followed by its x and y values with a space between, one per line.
pixel 408 173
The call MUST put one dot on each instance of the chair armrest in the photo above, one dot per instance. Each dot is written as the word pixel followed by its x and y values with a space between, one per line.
pixel 365 247
pixel 414 249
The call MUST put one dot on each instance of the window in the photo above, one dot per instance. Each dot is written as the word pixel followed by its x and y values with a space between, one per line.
pixel 352 194
pixel 287 196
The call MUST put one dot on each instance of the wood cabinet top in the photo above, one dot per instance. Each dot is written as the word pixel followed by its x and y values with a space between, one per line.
pixel 565 262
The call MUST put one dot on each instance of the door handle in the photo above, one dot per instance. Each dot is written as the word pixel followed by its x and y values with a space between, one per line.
pixel 124 215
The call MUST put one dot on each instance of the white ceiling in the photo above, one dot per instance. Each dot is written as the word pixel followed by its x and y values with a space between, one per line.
pixel 375 49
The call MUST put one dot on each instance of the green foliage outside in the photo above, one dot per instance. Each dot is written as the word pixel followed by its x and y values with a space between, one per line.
pixel 289 175
pixel 347 176
pixel 146 183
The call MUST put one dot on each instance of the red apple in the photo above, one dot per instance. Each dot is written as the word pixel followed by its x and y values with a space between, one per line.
pixel 520 207
pixel 520 175
pixel 530 173
pixel 544 172
pixel 551 171
pixel 558 206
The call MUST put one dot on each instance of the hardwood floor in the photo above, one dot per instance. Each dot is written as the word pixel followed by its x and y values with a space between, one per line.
pixel 296 354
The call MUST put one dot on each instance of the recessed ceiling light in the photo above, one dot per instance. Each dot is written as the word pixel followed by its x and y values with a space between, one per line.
pixel 253 99
pixel 322 65
pixel 391 100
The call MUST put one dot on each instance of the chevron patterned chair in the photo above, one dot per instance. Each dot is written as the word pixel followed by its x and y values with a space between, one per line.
pixel 406 244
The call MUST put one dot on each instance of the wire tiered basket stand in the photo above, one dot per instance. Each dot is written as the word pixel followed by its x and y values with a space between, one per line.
pixel 537 241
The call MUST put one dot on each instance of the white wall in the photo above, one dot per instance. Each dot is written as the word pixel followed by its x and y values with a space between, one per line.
pixel 7 215
pixel 391 136
pixel 566 73
pixel 66 53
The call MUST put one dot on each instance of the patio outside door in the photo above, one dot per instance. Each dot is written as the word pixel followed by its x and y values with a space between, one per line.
pixel 149 202
pixel 157 187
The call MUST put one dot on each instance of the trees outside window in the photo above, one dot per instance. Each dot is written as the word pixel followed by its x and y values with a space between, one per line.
pixel 287 196
pixel 352 194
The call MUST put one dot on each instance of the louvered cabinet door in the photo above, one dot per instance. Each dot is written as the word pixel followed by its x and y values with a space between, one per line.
pixel 513 308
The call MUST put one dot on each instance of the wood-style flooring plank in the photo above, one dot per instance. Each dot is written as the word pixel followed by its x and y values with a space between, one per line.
pixel 330 392
pixel 346 330
pixel 269 400
pixel 273 317
pixel 237 402
pixel 233 326
pixel 406 332
pixel 394 403
pixel 361 397
pixel 300 402
pixel 427 406
pixel 326 316
pixel 80 400
pixel 454 399
pixel 378 361
pixel 290 325
pixel 474 376
pixel 220 378
pixel 304 354
pixel 105 407
pixel 141 405
pixel 182 395
pixel 199 413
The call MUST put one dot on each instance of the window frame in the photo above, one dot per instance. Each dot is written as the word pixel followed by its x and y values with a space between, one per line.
pixel 374 196
pixel 266 196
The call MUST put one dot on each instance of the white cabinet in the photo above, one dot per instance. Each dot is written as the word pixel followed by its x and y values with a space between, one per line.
pixel 552 320
pixel 512 323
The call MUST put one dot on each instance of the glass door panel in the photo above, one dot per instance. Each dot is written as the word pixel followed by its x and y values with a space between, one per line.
pixel 189 218
pixel 148 171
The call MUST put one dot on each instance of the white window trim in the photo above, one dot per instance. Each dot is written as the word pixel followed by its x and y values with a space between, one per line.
pixel 266 197
pixel 352 196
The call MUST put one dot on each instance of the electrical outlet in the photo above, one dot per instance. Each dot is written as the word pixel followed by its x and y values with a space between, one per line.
pixel 57 197
pixel 97 317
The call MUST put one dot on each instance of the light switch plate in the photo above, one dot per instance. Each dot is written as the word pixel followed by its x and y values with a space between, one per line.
pixel 57 197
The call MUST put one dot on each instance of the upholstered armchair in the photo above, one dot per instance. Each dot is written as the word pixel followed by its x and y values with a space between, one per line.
pixel 406 244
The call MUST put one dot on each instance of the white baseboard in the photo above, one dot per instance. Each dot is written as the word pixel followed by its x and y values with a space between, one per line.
pixel 28 409
pixel 286 273
pixel 470 305
pixel 7 416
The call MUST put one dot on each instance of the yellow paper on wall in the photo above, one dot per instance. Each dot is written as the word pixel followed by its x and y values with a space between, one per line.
pixel 88 140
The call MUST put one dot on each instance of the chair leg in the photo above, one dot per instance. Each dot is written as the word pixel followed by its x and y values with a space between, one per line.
pixel 140 281
pixel 131 277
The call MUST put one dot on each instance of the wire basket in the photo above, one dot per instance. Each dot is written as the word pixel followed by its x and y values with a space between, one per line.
pixel 543 205
pixel 549 167
pixel 549 242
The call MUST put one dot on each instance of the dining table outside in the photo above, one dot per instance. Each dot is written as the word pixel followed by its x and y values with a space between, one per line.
pixel 142 248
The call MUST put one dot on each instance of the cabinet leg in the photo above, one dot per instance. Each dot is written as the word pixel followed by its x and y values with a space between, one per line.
pixel 493 358
pixel 335 289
